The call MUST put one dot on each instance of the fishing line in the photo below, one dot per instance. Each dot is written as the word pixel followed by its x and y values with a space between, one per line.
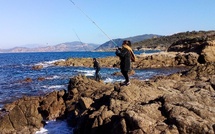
pixel 79 39
pixel 93 22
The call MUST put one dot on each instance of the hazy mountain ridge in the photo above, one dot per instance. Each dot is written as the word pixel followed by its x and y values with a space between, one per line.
pixel 78 46
pixel 63 47
pixel 110 44
pixel 146 41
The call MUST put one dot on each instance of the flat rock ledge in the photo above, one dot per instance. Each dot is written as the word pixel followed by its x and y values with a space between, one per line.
pixel 181 103
pixel 155 60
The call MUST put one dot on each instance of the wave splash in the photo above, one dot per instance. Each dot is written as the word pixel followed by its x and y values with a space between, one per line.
pixel 56 127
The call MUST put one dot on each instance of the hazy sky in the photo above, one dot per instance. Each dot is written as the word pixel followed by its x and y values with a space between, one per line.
pixel 50 22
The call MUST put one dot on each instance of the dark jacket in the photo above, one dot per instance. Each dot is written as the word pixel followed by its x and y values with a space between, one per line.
pixel 96 65
pixel 125 59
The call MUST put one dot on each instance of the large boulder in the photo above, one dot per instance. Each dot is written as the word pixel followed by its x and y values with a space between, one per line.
pixel 22 116
pixel 203 46
pixel 166 59
pixel 188 45
pixel 27 114
pixel 178 103
pixel 208 52
pixel 52 106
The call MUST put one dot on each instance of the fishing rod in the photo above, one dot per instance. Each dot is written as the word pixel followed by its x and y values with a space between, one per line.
pixel 79 39
pixel 93 22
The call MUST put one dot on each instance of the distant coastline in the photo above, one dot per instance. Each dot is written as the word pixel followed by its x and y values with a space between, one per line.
pixel 140 42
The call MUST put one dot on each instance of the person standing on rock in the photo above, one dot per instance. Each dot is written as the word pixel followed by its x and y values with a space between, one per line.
pixel 97 68
pixel 126 55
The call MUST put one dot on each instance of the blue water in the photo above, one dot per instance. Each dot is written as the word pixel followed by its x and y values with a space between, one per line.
pixel 16 67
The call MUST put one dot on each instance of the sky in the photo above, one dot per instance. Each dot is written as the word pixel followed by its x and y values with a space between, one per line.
pixel 33 23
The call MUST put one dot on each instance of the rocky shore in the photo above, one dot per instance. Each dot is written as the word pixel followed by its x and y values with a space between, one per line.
pixel 181 103
pixel 187 52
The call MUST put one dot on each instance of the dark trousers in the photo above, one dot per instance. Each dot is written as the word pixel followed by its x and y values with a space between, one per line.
pixel 97 75
pixel 125 74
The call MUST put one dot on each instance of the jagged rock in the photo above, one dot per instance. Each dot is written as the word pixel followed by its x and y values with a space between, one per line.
pixel 203 46
pixel 208 51
pixel 178 103
pixel 172 104
pixel 188 45
pixel 22 116
pixel 52 105
pixel 27 114
pixel 200 71
pixel 85 102
pixel 189 59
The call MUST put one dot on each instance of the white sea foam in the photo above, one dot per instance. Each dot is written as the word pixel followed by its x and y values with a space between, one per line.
pixel 48 63
pixel 55 127
pixel 110 80
pixel 53 77
pixel 87 72
pixel 54 87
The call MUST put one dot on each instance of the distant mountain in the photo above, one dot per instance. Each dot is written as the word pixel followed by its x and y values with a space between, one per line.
pixel 63 47
pixel 109 44
pixel 148 41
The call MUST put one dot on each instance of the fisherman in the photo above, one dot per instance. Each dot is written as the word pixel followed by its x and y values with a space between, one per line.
pixel 97 68
pixel 126 55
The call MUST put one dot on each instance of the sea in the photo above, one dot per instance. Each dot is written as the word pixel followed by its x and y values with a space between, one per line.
pixel 16 68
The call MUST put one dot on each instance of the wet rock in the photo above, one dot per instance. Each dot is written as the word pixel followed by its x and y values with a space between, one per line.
pixel 41 79
pixel 27 115
pixel 37 67
pixel 27 80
